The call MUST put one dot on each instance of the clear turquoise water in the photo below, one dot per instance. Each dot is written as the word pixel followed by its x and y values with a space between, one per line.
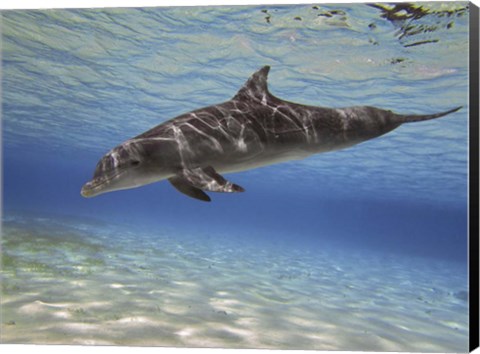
pixel 78 82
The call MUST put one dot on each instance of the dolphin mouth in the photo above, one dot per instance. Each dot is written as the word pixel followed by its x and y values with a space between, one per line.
pixel 98 185
pixel 92 188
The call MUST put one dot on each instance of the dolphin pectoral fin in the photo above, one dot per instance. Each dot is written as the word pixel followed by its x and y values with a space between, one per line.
pixel 183 186
pixel 193 182
pixel 208 179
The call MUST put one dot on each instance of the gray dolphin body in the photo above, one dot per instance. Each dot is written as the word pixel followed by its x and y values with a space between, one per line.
pixel 251 130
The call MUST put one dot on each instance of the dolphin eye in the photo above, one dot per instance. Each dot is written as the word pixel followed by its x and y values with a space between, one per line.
pixel 135 163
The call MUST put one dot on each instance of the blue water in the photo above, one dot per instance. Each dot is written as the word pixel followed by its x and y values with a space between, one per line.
pixel 78 82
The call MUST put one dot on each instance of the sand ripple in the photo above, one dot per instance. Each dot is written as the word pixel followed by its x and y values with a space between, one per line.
pixel 151 290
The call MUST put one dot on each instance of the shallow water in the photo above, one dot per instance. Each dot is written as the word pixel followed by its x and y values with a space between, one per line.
pixel 360 249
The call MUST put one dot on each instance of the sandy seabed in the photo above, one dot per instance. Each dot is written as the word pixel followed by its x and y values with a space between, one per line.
pixel 77 283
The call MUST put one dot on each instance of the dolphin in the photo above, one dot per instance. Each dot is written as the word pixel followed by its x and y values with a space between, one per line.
pixel 251 130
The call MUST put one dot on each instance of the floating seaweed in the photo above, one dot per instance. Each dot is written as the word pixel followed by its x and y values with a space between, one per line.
pixel 397 60
pixel 421 42
pixel 405 16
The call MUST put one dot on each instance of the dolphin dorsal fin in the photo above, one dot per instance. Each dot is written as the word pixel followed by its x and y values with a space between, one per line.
pixel 256 86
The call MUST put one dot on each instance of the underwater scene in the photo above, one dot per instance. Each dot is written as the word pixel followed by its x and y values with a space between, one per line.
pixel 326 227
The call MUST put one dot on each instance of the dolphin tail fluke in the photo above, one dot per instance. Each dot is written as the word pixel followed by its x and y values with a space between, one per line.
pixel 419 118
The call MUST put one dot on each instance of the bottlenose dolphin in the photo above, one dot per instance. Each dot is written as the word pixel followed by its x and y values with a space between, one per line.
pixel 251 130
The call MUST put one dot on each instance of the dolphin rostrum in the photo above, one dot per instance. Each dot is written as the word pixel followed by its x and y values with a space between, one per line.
pixel 252 129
